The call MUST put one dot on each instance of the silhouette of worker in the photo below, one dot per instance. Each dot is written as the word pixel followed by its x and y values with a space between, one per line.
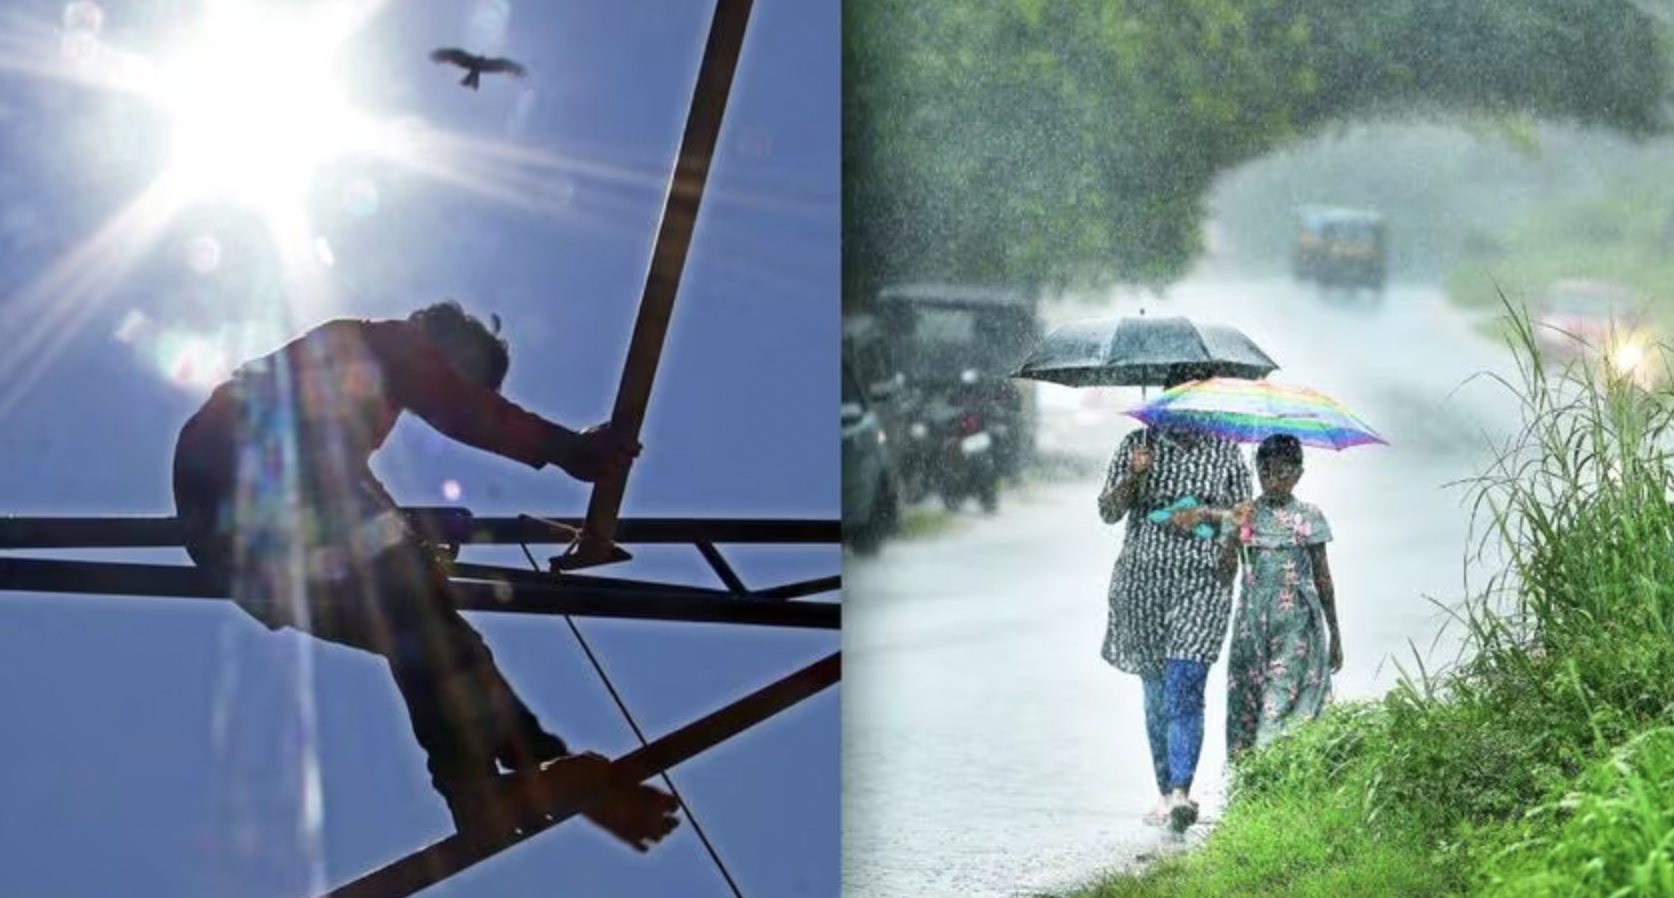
pixel 273 486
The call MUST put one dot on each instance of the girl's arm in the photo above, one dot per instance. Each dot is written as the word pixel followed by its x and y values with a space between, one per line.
pixel 1229 557
pixel 1328 601
pixel 1231 522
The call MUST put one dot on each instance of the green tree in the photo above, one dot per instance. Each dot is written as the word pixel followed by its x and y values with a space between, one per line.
pixel 1060 143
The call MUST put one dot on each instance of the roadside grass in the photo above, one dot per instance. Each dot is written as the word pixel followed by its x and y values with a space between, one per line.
pixel 1541 763
pixel 922 523
pixel 1296 826
pixel 1610 836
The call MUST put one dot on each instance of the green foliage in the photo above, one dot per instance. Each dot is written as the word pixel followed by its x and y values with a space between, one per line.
pixel 1297 825
pixel 1317 759
pixel 1058 143
pixel 1291 846
pixel 1612 836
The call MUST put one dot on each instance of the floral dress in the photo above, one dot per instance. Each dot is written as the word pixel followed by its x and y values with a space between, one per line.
pixel 1278 664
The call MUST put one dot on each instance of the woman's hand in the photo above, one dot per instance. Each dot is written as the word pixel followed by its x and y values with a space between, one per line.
pixel 1140 461
pixel 1336 653
pixel 1188 519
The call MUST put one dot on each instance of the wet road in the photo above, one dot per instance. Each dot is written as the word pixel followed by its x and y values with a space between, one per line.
pixel 989 751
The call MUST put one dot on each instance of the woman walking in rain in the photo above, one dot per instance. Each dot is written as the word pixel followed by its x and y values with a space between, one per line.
pixel 1285 644
pixel 1169 598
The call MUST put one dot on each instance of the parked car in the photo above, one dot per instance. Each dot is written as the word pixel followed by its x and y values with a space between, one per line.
pixel 871 500
pixel 1588 321
pixel 869 357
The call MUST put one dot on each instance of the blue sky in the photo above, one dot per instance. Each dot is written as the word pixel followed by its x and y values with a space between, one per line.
pixel 152 747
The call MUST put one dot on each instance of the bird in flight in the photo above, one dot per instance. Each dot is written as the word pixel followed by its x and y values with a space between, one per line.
pixel 475 65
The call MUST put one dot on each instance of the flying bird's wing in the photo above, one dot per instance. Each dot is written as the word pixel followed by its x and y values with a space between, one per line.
pixel 453 56
pixel 516 70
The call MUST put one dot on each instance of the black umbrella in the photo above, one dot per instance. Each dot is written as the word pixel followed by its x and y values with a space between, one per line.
pixel 1141 351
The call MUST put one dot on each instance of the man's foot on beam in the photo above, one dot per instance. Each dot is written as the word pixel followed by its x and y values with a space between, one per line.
pixel 640 816
pixel 587 552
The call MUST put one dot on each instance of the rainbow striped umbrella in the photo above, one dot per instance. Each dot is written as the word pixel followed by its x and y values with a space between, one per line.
pixel 1249 411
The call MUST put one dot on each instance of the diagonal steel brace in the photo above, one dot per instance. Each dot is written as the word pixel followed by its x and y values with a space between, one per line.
pixel 443 859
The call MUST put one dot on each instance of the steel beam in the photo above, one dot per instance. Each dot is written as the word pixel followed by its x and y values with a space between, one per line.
pixel 800 589
pixel 721 50
pixel 441 860
pixel 488 573
pixel 122 579
pixel 797 589
pixel 159 532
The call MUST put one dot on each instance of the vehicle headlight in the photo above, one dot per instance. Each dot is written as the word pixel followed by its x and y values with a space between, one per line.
pixel 918 431
pixel 1627 356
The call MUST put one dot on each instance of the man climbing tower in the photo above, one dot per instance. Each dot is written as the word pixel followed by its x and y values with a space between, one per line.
pixel 273 484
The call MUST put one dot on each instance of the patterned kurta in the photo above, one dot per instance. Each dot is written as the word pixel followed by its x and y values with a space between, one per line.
pixel 1278 665
pixel 1166 598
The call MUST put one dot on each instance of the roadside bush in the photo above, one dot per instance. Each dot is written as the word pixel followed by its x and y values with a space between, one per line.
pixel 1326 757
pixel 1613 836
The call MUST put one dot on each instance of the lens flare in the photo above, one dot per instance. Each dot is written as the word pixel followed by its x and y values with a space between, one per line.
pixel 83 15
pixel 360 198
pixel 485 26
pixel 203 254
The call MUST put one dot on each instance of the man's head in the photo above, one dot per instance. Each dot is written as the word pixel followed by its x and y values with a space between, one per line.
pixel 476 349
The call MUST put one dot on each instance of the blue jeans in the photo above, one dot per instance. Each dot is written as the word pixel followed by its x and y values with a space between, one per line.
pixel 1174 722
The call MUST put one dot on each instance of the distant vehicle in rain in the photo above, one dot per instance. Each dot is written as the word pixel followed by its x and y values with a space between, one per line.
pixel 871 500
pixel 936 333
pixel 1587 321
pixel 1340 248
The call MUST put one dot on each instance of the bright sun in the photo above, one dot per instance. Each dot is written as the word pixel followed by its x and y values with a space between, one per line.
pixel 255 105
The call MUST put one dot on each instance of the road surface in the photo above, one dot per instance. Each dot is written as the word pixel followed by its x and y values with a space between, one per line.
pixel 990 751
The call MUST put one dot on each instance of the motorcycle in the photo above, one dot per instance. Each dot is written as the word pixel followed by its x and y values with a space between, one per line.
pixel 916 454
pixel 966 462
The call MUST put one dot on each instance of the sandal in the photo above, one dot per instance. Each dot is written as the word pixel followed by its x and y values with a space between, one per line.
pixel 1182 815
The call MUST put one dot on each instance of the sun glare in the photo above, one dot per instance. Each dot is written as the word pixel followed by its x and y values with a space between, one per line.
pixel 255 106
pixel 255 101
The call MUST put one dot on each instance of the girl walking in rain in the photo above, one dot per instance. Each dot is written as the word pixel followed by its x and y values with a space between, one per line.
pixel 1170 599
pixel 1285 644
